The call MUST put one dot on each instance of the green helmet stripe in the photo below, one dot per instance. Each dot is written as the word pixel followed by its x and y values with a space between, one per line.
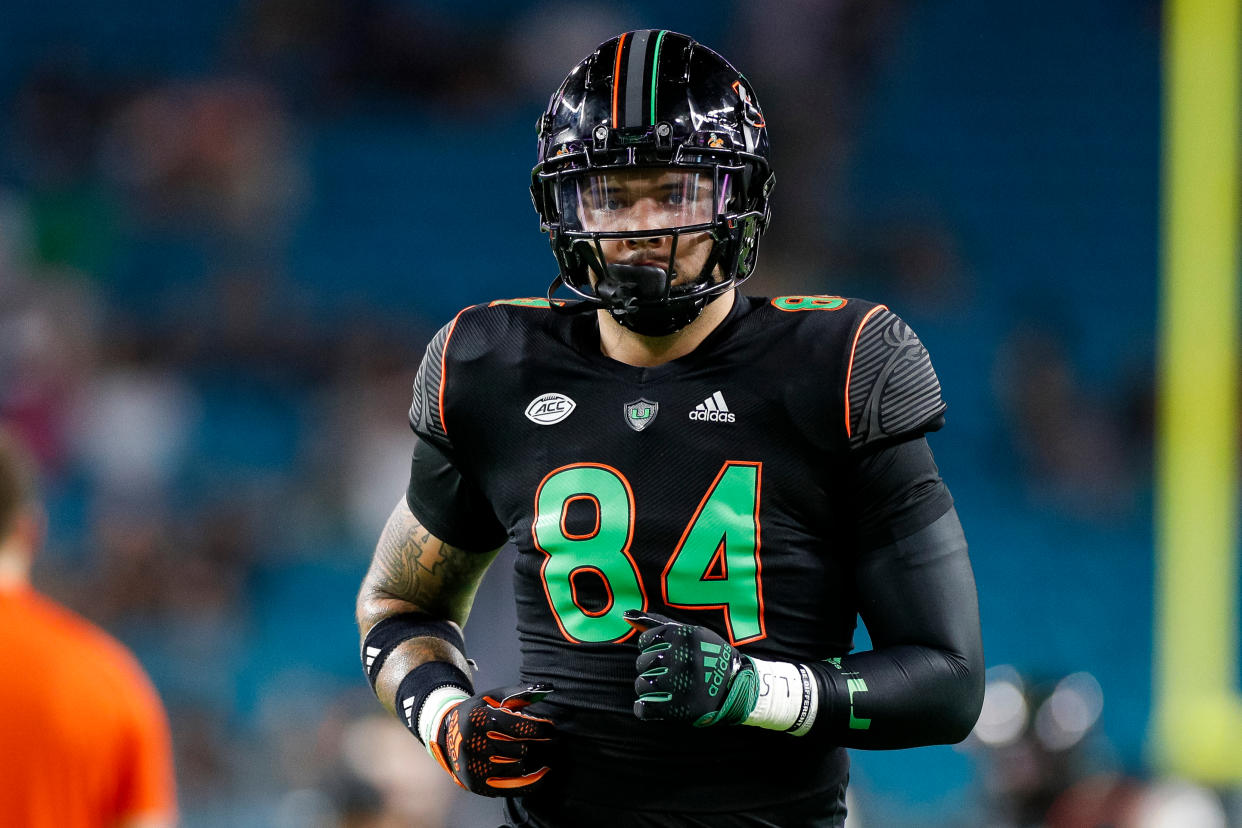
pixel 655 72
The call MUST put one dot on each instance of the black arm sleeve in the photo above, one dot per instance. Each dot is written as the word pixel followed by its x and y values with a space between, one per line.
pixel 893 491
pixel 449 505
pixel 923 682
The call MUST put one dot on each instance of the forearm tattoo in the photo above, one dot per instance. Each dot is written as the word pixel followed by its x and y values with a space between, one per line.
pixel 414 566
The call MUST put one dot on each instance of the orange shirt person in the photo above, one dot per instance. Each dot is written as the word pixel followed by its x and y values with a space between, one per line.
pixel 84 741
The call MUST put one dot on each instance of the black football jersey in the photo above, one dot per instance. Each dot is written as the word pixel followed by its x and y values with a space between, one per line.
pixel 713 489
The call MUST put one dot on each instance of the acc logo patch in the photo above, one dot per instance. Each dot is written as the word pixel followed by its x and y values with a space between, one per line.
pixel 549 409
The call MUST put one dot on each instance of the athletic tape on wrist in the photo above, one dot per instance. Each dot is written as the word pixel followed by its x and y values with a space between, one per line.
pixel 810 703
pixel 420 684
pixel 433 710
pixel 391 632
pixel 788 697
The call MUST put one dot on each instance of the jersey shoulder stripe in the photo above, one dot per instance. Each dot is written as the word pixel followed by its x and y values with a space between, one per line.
pixel 427 407
pixel 891 387
pixel 478 332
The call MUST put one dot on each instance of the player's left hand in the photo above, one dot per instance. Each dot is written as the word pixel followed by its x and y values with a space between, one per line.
pixel 689 674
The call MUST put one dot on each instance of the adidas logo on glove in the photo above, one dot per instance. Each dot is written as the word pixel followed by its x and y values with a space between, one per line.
pixel 713 410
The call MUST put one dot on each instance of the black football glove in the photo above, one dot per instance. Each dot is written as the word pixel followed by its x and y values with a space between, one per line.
pixel 490 746
pixel 690 674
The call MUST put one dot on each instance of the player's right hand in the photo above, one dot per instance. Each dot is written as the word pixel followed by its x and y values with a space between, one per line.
pixel 690 674
pixel 491 746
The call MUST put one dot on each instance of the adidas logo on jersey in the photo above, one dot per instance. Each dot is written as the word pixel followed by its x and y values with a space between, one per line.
pixel 713 410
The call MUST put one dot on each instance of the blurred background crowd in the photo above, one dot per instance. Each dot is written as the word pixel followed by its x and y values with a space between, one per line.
pixel 227 230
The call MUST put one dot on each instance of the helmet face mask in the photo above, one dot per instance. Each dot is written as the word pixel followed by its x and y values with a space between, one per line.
pixel 652 156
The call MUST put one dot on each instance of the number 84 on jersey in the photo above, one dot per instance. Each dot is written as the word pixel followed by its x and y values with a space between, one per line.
pixel 715 565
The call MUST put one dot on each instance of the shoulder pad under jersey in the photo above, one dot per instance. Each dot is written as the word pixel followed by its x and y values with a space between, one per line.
pixel 891 387
pixel 476 332
pixel 426 412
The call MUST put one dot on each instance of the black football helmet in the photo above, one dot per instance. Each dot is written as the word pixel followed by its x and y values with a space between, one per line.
pixel 652 101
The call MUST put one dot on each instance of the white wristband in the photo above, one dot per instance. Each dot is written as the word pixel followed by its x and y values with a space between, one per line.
pixel 435 706
pixel 788 697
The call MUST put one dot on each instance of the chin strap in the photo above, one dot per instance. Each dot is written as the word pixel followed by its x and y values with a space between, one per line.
pixel 566 308
pixel 631 294
pixel 640 297
pixel 662 320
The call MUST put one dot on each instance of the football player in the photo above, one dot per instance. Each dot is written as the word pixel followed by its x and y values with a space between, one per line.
pixel 704 489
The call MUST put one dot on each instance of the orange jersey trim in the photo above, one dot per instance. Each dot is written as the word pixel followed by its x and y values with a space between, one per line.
pixel 444 368
pixel 565 513
pixel 849 371
pixel 573 592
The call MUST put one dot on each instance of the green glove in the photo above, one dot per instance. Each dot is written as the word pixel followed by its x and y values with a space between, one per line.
pixel 689 674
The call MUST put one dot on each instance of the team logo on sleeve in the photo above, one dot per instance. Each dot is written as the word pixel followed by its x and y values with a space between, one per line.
pixel 640 413
pixel 549 409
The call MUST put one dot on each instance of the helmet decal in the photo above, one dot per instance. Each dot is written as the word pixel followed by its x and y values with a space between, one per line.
pixel 635 78
pixel 655 73
pixel 750 110
pixel 618 80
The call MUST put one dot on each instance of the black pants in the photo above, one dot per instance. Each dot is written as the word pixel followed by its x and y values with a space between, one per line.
pixel 813 813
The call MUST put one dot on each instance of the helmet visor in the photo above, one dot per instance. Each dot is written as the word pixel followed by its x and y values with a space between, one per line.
pixel 639 199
